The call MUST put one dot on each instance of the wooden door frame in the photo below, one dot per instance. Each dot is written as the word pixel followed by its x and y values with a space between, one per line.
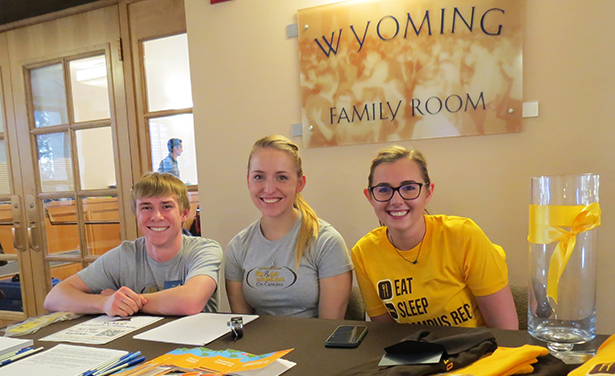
pixel 10 130
pixel 144 24
pixel 21 61
pixel 130 133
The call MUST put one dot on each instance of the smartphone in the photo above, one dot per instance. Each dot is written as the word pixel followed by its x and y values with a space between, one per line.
pixel 346 336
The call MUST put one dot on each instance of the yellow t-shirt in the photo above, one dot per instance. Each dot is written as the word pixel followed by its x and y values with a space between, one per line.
pixel 504 361
pixel 603 363
pixel 456 262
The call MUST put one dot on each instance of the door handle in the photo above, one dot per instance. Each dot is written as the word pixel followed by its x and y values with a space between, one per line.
pixel 33 228
pixel 19 239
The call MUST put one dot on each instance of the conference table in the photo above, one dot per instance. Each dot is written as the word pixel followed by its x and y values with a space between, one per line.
pixel 307 336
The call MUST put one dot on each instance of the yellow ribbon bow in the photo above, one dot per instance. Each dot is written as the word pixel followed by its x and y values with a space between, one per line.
pixel 546 222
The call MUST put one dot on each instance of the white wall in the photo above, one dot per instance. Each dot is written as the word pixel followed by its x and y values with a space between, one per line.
pixel 245 81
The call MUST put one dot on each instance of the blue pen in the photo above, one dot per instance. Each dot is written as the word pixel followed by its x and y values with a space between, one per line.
pixel 92 371
pixel 13 353
pixel 122 366
pixel 20 354
pixel 104 365
pixel 124 359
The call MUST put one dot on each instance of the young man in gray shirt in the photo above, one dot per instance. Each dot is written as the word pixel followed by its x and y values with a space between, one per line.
pixel 163 272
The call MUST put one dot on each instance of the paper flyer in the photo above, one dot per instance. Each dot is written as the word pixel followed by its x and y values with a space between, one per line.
pixel 62 360
pixel 101 330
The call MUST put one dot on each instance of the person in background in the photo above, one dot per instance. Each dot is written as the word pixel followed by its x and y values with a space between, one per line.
pixel 163 272
pixel 169 163
pixel 195 227
pixel 289 262
pixel 427 269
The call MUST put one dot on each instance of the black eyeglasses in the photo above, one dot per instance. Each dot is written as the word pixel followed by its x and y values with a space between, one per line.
pixel 408 191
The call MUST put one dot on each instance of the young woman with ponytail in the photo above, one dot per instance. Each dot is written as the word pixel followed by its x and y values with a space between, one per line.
pixel 289 262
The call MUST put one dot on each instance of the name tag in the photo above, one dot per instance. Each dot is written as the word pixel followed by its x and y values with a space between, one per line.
pixel 171 284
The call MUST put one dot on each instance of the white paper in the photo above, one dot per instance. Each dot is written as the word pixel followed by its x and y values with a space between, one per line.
pixel 415 358
pixel 196 330
pixel 274 369
pixel 101 330
pixel 61 360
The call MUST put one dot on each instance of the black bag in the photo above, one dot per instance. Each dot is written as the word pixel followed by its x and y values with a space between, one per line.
pixel 458 351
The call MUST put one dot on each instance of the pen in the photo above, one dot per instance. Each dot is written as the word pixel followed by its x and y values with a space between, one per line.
pixel 130 363
pixel 123 360
pixel 106 364
pixel 127 318
pixel 13 353
pixel 20 354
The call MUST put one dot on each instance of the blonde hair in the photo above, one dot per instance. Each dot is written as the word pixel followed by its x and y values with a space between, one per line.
pixel 309 220
pixel 392 154
pixel 156 184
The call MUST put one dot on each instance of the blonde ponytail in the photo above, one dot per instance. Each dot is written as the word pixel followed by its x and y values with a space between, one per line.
pixel 309 228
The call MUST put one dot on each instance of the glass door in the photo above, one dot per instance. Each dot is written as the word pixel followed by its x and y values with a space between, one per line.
pixel 72 137
pixel 72 131
pixel 159 45
pixel 170 123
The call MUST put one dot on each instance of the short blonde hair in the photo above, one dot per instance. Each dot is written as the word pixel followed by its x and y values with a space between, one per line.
pixel 156 184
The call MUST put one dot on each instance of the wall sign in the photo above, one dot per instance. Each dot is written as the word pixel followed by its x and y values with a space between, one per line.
pixel 388 70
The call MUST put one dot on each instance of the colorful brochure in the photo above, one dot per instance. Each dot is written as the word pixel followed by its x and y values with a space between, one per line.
pixel 203 361
pixel 225 361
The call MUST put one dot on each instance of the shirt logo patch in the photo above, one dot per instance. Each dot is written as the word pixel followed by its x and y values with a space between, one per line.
pixel 385 289
pixel 272 277
pixel 149 289
pixel 603 369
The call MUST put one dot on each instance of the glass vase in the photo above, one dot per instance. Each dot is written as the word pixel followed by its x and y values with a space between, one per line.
pixel 564 216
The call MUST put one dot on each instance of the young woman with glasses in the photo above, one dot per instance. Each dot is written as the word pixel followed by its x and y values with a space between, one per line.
pixel 289 262
pixel 427 269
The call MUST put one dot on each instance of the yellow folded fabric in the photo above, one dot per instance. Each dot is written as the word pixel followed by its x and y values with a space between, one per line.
pixel 503 362
pixel 603 363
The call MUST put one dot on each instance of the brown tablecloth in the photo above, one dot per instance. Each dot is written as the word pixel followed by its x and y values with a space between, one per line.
pixel 307 337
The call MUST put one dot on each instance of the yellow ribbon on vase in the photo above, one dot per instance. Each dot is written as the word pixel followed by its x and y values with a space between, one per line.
pixel 546 222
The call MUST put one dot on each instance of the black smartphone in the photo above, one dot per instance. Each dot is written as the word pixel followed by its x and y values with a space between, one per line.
pixel 346 336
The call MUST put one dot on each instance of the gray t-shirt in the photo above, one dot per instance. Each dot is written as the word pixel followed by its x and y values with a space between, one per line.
pixel 130 265
pixel 271 284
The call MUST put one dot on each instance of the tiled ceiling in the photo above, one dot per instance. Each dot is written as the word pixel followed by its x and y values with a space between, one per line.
pixel 15 10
